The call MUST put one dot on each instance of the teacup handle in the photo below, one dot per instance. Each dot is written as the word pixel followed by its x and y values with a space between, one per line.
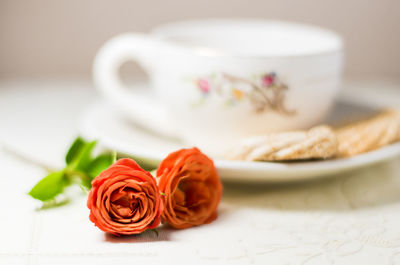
pixel 115 52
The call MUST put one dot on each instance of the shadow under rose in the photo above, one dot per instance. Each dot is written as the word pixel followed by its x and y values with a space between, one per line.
pixel 163 234
pixel 364 188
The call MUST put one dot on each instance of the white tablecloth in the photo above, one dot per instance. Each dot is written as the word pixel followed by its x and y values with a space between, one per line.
pixel 348 219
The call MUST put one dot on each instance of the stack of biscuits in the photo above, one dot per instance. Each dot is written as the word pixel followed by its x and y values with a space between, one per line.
pixel 322 142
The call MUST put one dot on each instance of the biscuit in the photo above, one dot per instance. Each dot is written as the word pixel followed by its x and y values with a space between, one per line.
pixel 322 142
pixel 370 134
pixel 317 143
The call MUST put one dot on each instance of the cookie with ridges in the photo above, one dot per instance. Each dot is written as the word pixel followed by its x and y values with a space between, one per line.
pixel 370 134
pixel 317 143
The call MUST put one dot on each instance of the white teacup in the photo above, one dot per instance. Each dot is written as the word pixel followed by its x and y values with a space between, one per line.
pixel 217 81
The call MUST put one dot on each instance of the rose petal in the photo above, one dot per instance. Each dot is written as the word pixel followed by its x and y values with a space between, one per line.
pixel 125 199
pixel 192 188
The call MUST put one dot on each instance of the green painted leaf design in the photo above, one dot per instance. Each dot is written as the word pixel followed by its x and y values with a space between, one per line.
pixel 49 187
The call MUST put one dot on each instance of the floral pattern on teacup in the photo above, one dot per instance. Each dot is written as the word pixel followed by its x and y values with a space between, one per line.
pixel 263 91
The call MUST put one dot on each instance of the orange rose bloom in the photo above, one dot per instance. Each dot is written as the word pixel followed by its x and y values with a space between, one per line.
pixel 191 186
pixel 124 199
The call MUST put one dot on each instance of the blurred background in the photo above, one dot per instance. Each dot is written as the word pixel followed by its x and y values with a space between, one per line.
pixel 52 39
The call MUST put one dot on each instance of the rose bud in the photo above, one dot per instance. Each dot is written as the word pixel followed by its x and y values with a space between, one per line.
pixel 191 187
pixel 124 199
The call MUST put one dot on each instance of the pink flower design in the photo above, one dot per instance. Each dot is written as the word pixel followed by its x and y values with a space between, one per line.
pixel 268 79
pixel 265 91
pixel 204 85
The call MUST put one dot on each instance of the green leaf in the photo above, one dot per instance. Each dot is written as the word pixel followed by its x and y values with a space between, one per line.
pixel 54 203
pixel 75 150
pixel 155 231
pixel 84 188
pixel 85 157
pixel 86 183
pixel 49 187
pixel 99 164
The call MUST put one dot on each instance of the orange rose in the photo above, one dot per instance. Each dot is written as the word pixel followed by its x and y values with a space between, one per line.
pixel 191 186
pixel 124 199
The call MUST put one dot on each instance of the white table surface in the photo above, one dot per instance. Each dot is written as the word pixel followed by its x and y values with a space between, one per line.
pixel 348 219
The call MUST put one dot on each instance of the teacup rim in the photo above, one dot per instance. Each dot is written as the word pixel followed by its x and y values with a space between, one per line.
pixel 162 30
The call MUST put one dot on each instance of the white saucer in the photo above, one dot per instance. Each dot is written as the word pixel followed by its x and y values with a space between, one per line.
pixel 113 131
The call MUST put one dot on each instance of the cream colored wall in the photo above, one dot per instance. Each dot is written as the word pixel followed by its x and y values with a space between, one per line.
pixel 58 38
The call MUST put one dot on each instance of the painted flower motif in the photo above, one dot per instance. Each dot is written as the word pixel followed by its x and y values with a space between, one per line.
pixel 268 79
pixel 238 94
pixel 204 85
pixel 264 91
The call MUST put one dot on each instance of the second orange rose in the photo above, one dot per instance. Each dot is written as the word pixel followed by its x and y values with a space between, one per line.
pixel 191 187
